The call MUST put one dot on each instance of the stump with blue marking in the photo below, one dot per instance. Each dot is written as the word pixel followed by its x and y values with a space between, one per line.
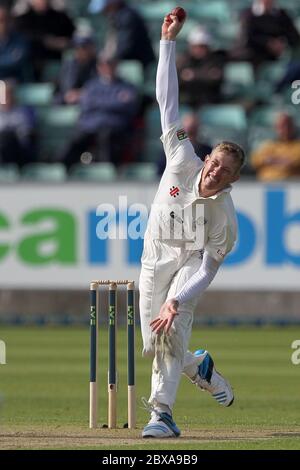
pixel 112 352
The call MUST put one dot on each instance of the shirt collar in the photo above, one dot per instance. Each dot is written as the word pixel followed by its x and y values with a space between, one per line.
pixel 215 196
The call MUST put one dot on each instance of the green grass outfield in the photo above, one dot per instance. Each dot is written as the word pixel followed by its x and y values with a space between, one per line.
pixel 45 389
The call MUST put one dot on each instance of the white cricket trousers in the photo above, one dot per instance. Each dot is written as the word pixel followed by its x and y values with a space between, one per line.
pixel 165 269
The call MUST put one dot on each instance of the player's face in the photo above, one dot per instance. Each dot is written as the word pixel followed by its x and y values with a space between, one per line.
pixel 220 170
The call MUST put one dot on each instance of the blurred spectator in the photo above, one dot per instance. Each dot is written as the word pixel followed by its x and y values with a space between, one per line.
pixel 291 74
pixel 128 37
pixel 14 50
pixel 201 70
pixel 17 124
pixel 266 31
pixel 191 124
pixel 77 70
pixel 49 31
pixel 108 108
pixel 8 3
pixel 279 159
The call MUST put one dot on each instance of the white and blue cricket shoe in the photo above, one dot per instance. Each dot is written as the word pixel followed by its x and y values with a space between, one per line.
pixel 161 424
pixel 212 381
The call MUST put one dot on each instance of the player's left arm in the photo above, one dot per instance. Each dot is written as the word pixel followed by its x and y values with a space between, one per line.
pixel 197 284
pixel 200 280
pixel 220 243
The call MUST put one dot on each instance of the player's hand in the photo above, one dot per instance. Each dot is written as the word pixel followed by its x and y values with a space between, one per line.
pixel 171 27
pixel 166 317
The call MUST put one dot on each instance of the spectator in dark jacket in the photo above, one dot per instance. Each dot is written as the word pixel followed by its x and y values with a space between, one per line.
pixel 128 37
pixel 8 3
pixel 77 70
pixel 291 74
pixel 108 108
pixel 14 50
pixel 266 32
pixel 201 70
pixel 49 31
pixel 17 124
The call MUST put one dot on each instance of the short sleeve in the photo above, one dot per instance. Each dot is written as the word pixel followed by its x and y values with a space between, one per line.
pixel 178 147
pixel 221 243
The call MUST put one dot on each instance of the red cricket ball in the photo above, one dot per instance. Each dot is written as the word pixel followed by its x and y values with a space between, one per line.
pixel 179 12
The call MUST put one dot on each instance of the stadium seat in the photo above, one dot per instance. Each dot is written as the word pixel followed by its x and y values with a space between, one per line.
pixel 152 150
pixel 97 24
pixel 272 72
pixel 56 124
pixel 9 173
pixel 153 124
pixel 258 135
pixel 155 11
pixel 35 94
pixel 262 119
pixel 190 23
pixel 131 71
pixel 94 172
pixel 44 172
pixel 154 30
pixel 226 34
pixel 239 80
pixel 240 4
pixel 149 86
pixel 292 6
pixel 224 122
pixel 297 23
pixel 226 116
pixel 60 116
pixel 77 7
pixel 51 71
pixel 287 96
pixel 214 10
pixel 215 135
pixel 268 76
pixel 139 172
pixel 264 116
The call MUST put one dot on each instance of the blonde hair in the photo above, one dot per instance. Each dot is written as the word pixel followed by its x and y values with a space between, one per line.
pixel 232 149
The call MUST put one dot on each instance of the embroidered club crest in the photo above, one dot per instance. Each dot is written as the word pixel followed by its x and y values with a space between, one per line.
pixel 174 191
pixel 181 134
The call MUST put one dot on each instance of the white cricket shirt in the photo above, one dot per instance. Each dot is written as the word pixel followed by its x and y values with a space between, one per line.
pixel 179 214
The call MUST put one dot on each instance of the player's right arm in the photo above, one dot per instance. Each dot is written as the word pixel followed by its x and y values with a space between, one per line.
pixel 178 149
pixel 166 78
